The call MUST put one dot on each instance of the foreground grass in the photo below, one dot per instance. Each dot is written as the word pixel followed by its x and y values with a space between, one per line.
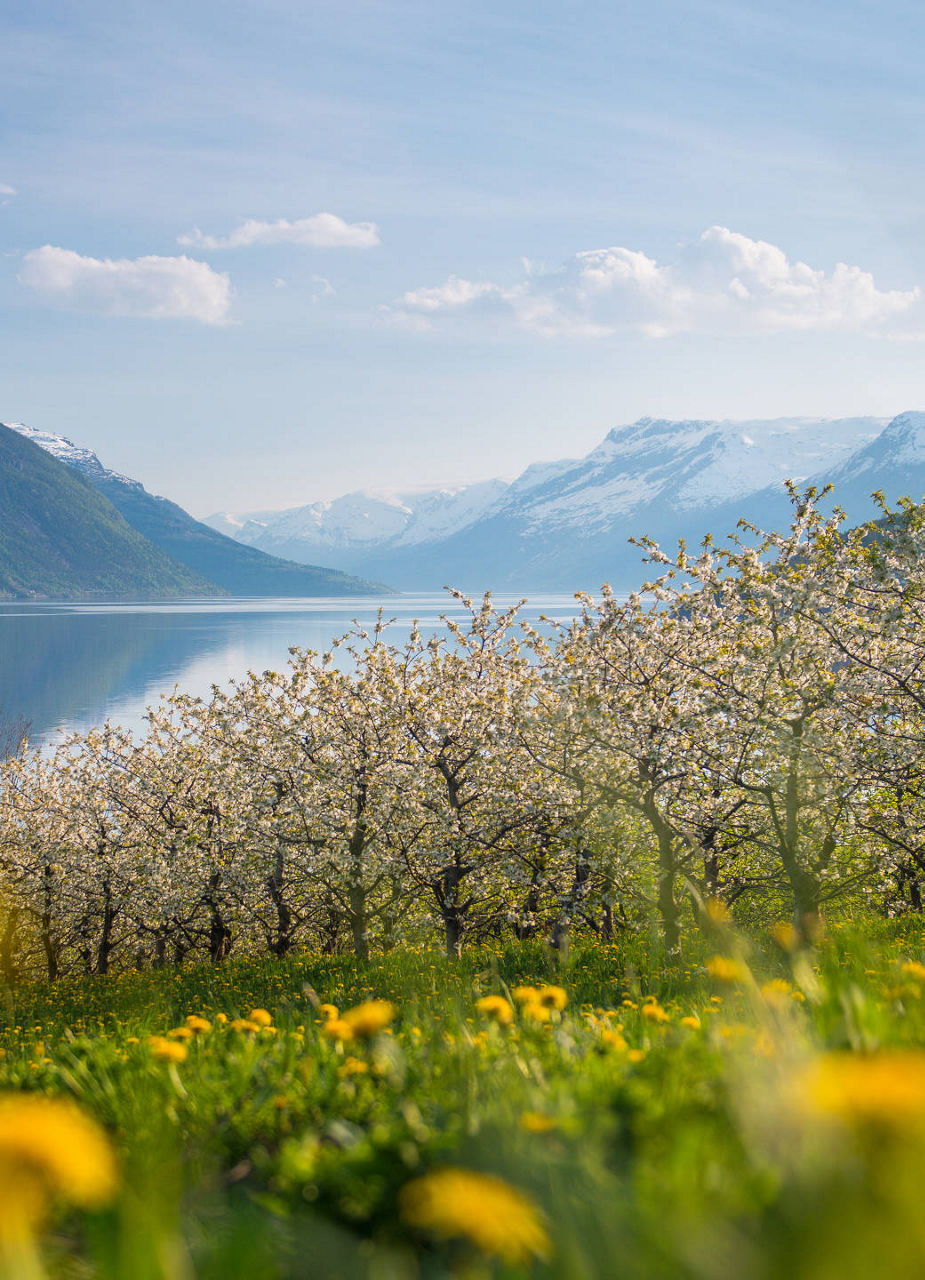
pixel 759 1115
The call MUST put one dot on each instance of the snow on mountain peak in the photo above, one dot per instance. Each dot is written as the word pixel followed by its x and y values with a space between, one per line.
pixel 74 455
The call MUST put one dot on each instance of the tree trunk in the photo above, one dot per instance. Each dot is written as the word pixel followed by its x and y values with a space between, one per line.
pixel 571 902
pixel 105 948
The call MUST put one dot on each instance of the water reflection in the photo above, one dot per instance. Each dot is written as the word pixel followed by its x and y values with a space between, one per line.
pixel 69 666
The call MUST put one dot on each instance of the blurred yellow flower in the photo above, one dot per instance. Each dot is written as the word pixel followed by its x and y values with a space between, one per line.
pixel 536 1012
pixel 197 1024
pixel 329 1012
pixel 536 1122
pixel 776 992
pixel 886 1088
pixel 914 970
pixel 261 1017
pixel 496 1008
pixel 725 969
pixel 353 1067
pixel 552 997
pixel 692 1022
pixel 49 1148
pixel 525 995
pixel 459 1203
pixel 785 935
pixel 167 1050
pixel 652 1011
pixel 369 1018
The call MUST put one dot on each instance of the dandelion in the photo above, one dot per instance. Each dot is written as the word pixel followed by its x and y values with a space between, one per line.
pixel 167 1050
pixel 776 992
pixel 369 1018
pixel 197 1024
pixel 785 935
pixel 261 1017
pixel 180 1033
pixel 353 1067
pixel 725 969
pixel 652 1011
pixel 533 1011
pixel 461 1204
pixel 885 1089
pixel 692 1022
pixel 525 995
pixel 337 1029
pixel 914 970
pixel 49 1149
pixel 329 1012
pixel 536 1122
pixel 243 1024
pixel 613 1040
pixel 552 997
pixel 496 1008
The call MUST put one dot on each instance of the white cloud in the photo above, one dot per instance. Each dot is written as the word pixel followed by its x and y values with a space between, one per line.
pixel 722 283
pixel 321 231
pixel 7 190
pixel 157 288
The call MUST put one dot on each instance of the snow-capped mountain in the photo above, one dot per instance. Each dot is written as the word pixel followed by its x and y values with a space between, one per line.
pixel 363 520
pixel 564 525
pixel 74 455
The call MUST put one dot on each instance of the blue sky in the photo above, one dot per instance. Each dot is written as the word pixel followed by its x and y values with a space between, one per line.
pixel 545 219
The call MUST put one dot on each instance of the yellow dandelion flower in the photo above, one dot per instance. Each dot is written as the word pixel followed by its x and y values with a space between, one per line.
pixel 458 1203
pixel 636 1055
pixel 692 1022
pixel 652 1011
pixel 613 1040
pixel 496 1008
pixel 329 1012
pixel 198 1024
pixel 243 1024
pixel 536 1122
pixel 353 1067
pixel 49 1148
pixel 167 1050
pixel 369 1018
pixel 525 995
pixel 180 1033
pixel 725 969
pixel 886 1088
pixel 261 1017
pixel 785 935
pixel 536 1012
pixel 776 992
pixel 914 970
pixel 717 911
pixel 337 1029
pixel 552 997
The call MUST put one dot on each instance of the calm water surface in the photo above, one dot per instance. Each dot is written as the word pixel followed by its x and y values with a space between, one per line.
pixel 66 667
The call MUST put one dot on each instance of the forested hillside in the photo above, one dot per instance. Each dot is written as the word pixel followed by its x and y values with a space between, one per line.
pixel 59 537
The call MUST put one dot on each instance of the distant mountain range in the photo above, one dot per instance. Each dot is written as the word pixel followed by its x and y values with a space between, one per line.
pixel 70 528
pixel 565 525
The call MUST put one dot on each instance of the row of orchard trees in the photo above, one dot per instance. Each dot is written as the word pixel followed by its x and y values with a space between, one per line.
pixel 749 729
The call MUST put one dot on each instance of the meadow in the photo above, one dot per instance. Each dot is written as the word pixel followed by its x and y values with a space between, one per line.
pixel 757 1110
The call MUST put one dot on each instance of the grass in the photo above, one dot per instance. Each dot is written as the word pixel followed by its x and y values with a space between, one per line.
pixel 665 1123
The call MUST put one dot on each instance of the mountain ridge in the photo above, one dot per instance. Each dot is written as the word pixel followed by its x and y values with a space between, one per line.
pixel 565 524
pixel 227 566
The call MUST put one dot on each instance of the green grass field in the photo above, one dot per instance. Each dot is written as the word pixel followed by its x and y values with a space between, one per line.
pixel 752 1112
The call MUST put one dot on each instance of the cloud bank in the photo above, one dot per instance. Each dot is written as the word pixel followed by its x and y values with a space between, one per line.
pixel 321 231
pixel 7 190
pixel 151 287
pixel 722 283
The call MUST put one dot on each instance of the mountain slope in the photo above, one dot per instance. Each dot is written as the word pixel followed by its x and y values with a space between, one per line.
pixel 565 525
pixel 236 568
pixel 60 537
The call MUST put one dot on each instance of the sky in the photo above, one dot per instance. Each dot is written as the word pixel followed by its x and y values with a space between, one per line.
pixel 260 254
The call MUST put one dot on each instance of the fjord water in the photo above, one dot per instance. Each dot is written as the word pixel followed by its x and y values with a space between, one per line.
pixel 65 667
